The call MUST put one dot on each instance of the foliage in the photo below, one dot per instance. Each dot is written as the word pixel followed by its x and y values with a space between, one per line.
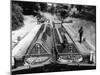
pixel 61 10
pixel 85 12
pixel 16 16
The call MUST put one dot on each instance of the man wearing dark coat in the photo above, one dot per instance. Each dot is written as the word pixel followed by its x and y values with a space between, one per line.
pixel 80 34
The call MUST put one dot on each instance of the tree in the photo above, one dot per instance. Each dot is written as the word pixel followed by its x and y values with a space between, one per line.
pixel 17 16
pixel 62 11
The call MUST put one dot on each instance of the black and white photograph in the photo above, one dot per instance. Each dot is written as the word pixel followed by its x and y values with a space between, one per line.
pixel 52 37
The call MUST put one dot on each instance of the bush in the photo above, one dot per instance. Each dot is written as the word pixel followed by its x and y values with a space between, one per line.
pixel 16 17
